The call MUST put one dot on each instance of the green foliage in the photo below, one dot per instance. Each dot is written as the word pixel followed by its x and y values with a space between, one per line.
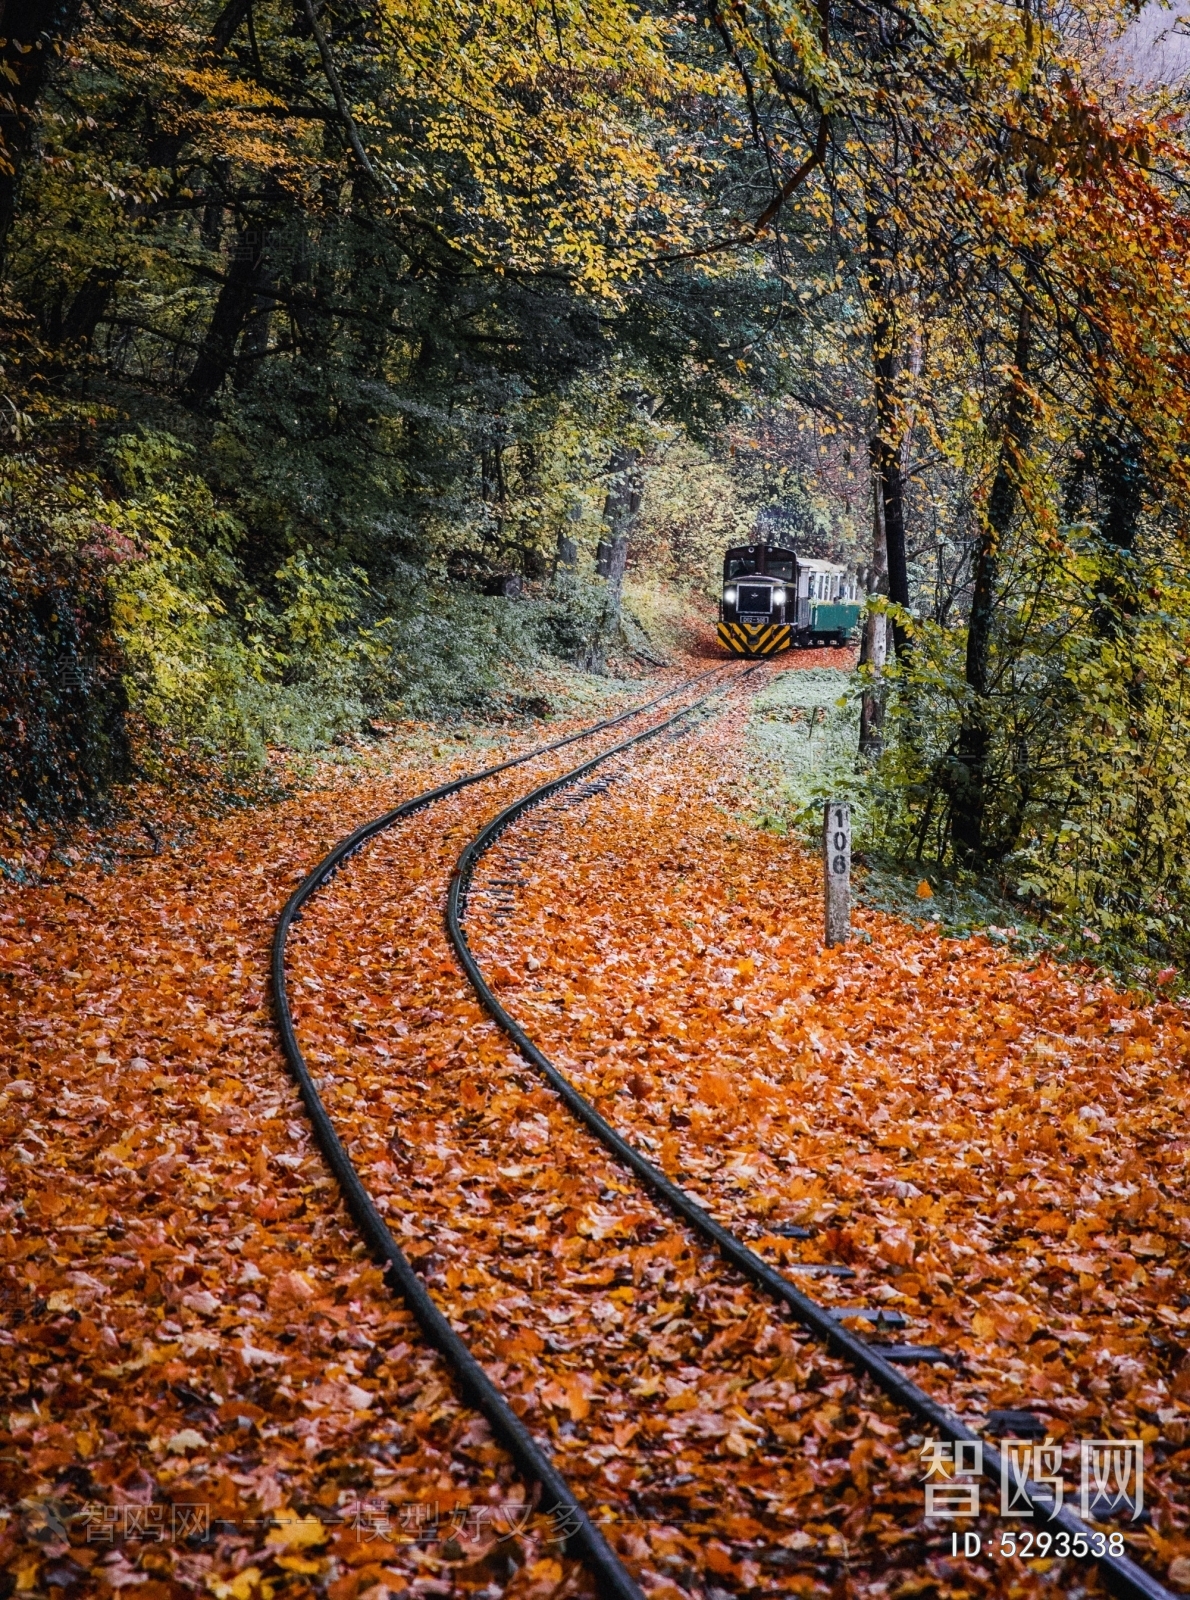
pixel 319 351
pixel 568 623
pixel 314 651
pixel 1089 727
pixel 173 607
pixel 331 348
pixel 694 507
pixel 804 732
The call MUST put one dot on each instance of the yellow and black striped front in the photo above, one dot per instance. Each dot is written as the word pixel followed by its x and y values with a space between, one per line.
pixel 755 638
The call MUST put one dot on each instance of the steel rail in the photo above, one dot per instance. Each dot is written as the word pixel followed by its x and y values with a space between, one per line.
pixel 1123 1576
pixel 582 1538
pixel 346 848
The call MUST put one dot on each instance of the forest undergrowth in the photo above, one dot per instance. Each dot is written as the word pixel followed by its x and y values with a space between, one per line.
pixel 181 789
pixel 803 739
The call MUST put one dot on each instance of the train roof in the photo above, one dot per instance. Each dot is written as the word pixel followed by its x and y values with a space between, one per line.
pixel 813 564
pixel 810 563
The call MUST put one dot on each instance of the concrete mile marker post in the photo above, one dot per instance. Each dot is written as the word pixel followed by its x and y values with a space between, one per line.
pixel 836 866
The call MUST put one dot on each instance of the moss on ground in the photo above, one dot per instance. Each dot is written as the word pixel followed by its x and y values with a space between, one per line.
pixel 804 736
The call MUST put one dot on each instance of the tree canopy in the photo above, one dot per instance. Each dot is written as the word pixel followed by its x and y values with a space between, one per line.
pixel 317 319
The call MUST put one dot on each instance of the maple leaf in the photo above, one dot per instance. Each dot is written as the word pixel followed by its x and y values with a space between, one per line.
pixel 292 1532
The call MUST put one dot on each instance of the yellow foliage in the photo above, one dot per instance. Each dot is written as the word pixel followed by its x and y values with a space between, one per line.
pixel 291 1532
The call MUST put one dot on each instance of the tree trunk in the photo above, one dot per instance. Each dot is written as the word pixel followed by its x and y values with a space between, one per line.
pixel 874 647
pixel 620 509
pixel 969 796
pixel 227 24
pixel 254 344
pixel 892 494
pixel 891 432
pixel 30 30
pixel 232 309
pixel 70 328
pixel 88 306
pixel 566 553
pixel 1120 478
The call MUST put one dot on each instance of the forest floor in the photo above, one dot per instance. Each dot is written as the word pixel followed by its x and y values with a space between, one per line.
pixel 205 1387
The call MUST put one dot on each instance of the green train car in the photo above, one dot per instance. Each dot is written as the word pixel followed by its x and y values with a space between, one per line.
pixel 774 600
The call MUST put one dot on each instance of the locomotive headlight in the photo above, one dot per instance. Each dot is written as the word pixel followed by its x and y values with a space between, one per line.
pixel 778 597
pixel 729 596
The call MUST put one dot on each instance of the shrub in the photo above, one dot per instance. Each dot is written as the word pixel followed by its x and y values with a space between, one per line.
pixel 63 738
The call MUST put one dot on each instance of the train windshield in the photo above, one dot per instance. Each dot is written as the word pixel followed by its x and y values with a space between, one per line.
pixel 740 563
pixel 751 560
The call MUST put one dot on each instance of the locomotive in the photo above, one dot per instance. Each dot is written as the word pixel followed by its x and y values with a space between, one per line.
pixel 774 599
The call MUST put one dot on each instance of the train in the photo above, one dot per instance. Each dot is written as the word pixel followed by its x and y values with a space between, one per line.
pixel 774 600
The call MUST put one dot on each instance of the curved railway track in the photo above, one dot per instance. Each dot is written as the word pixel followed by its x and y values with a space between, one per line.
pixel 1122 1575
pixel 584 1539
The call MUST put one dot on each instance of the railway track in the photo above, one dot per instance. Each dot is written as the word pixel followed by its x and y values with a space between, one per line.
pixel 477 1388
pixel 574 786
pixel 881 1365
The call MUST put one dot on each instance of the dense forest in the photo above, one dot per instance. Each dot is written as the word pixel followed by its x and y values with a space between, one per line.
pixel 338 338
